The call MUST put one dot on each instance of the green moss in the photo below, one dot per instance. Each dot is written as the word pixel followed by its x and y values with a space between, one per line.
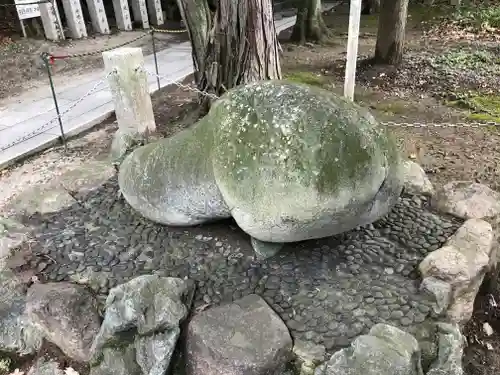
pixel 282 132
pixel 307 78
pixel 487 103
pixel 482 108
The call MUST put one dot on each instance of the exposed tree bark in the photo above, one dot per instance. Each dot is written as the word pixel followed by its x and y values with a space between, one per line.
pixel 239 45
pixel 391 32
pixel 370 6
pixel 309 26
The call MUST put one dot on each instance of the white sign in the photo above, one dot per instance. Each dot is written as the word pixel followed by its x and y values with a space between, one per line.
pixel 27 11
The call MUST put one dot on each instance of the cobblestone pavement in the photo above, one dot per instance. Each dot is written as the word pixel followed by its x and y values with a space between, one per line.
pixel 327 291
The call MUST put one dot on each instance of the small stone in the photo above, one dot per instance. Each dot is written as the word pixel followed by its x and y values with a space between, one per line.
pixel 487 329
pixel 397 314
pixel 265 250
pixel 415 180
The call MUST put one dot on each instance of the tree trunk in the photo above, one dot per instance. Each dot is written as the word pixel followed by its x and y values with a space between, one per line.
pixel 309 26
pixel 239 45
pixel 391 32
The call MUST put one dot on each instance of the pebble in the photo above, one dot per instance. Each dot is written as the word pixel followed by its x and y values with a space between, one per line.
pixel 326 291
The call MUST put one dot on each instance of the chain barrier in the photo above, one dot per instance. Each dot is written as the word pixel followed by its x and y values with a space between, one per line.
pixel 184 87
pixel 168 31
pixel 44 127
pixel 473 125
pixel 98 52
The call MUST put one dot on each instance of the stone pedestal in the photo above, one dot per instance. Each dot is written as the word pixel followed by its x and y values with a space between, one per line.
pixel 129 86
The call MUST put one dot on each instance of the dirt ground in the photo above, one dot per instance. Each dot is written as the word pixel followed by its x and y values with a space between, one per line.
pixel 452 79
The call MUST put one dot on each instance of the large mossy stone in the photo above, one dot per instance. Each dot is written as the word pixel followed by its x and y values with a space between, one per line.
pixel 288 161
pixel 295 162
pixel 171 181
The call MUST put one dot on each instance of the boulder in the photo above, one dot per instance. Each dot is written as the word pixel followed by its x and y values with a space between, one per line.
pixel 384 350
pixel 154 353
pixel 116 360
pixel 287 161
pixel 415 180
pixel 17 334
pixel 441 291
pixel 245 337
pixel 147 304
pixel 171 181
pixel 141 326
pixel 462 264
pixel 66 315
pixel 450 351
pixel 467 200
pixel 296 162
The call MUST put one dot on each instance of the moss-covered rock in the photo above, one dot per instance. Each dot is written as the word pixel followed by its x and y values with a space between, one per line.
pixel 288 161
pixel 171 181
pixel 295 162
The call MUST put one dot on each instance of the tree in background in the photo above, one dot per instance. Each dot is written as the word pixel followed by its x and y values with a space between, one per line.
pixel 391 32
pixel 234 46
pixel 309 26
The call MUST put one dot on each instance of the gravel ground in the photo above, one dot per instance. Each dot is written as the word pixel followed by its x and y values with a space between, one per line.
pixel 327 291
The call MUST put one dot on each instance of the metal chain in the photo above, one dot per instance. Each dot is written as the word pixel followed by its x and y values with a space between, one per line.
pixel 43 128
pixel 168 31
pixel 98 52
pixel 474 125
pixel 185 87
pixel 386 123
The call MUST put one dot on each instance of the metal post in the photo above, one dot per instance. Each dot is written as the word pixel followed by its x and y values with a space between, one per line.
pixel 156 60
pixel 46 59
pixel 23 29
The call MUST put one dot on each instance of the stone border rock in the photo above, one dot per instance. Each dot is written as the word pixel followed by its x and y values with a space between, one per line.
pixel 455 272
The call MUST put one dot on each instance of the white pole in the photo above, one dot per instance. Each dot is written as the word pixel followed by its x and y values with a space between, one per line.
pixel 352 48
pixel 23 29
